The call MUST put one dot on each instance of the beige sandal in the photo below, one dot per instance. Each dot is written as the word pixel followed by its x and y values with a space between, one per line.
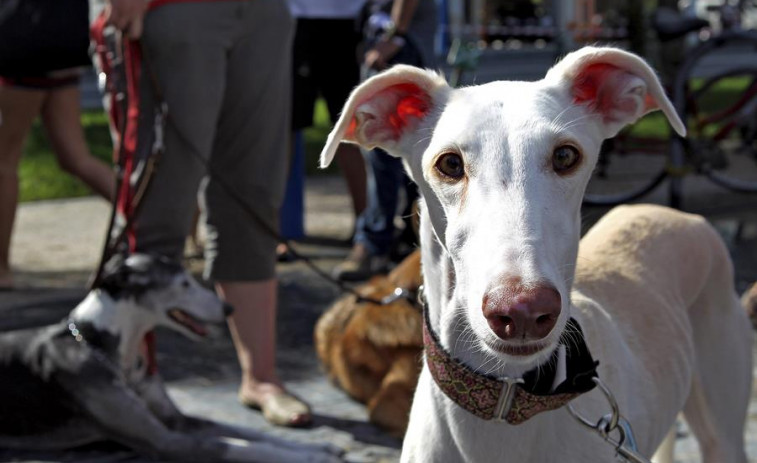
pixel 281 409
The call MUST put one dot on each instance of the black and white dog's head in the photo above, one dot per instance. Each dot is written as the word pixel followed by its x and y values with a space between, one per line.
pixel 151 291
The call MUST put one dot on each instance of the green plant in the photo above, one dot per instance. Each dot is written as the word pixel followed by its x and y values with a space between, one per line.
pixel 314 138
pixel 40 177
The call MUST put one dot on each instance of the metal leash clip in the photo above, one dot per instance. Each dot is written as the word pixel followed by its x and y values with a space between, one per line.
pixel 625 445
pixel 397 294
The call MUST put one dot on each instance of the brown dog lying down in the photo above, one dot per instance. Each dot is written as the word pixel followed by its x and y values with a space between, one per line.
pixel 373 351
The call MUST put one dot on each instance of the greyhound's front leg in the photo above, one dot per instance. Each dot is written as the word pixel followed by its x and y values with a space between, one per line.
pixel 202 427
pixel 124 417
pixel 153 391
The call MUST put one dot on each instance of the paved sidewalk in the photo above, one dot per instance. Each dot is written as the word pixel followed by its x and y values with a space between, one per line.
pixel 57 244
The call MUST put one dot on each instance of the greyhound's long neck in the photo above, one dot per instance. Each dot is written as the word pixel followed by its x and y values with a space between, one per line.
pixel 438 279
pixel 120 318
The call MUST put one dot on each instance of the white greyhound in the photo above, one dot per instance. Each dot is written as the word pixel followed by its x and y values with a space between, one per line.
pixel 502 169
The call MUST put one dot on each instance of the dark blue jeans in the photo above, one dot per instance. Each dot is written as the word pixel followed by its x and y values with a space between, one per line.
pixel 386 178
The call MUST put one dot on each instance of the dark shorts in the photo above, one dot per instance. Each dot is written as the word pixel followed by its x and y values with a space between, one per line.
pixel 38 37
pixel 41 82
pixel 324 64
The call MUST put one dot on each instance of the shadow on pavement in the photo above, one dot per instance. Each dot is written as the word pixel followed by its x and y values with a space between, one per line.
pixel 360 430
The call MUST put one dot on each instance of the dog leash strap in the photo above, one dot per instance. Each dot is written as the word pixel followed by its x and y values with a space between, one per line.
pixel 625 446
pixel 136 165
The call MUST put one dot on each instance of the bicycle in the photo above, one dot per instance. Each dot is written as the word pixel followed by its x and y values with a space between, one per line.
pixel 720 112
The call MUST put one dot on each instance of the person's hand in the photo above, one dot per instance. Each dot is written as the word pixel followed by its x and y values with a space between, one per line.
pixel 378 57
pixel 127 15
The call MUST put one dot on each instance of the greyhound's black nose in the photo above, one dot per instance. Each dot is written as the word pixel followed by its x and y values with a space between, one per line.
pixel 228 309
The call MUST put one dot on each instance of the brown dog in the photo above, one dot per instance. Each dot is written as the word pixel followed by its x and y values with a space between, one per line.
pixel 373 351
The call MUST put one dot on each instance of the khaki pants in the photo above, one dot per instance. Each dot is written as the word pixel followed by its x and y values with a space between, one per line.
pixel 223 68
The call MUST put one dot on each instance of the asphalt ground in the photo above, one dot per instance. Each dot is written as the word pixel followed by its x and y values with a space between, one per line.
pixel 57 244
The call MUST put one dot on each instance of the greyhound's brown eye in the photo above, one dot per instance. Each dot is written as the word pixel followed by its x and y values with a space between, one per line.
pixel 451 165
pixel 565 158
pixel 185 283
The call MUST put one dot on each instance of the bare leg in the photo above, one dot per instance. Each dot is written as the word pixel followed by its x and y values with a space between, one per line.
pixel 18 109
pixel 352 165
pixel 61 115
pixel 253 328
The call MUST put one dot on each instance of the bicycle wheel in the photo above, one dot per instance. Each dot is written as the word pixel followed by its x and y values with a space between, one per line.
pixel 723 124
pixel 630 165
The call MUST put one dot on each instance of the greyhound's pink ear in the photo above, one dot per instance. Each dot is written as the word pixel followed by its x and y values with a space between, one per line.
pixel 385 108
pixel 617 85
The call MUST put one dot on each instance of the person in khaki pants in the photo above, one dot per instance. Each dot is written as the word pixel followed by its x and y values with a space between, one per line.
pixel 223 68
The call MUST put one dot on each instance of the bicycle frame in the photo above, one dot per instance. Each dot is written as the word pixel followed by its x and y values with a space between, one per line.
pixel 681 98
pixel 684 155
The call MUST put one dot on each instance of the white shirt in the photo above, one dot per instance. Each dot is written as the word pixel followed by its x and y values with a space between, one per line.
pixel 333 9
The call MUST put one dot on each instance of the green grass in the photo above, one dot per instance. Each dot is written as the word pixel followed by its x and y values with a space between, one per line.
pixel 41 178
pixel 721 95
pixel 39 174
pixel 724 94
pixel 315 137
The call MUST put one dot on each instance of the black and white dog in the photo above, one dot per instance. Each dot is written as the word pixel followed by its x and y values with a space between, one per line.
pixel 85 379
